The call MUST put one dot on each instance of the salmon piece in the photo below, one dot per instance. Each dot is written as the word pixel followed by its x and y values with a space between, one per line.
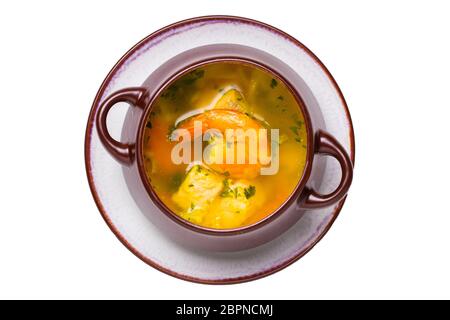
pixel 195 194
pixel 212 200
pixel 232 207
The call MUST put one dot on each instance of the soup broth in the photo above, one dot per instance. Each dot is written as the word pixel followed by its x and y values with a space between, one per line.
pixel 195 111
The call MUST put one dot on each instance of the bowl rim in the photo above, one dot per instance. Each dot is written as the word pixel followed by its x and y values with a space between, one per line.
pixel 295 194
pixel 90 126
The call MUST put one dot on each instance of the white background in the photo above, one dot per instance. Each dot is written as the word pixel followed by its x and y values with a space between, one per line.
pixel 392 62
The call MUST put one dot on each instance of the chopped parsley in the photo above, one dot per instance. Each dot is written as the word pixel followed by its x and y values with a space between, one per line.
pixel 227 191
pixel 234 192
pixel 299 123
pixel 176 180
pixel 170 132
pixel 192 76
pixel 294 130
pixel 170 92
pixel 149 125
pixel 249 192
pixel 187 80
pixel 273 83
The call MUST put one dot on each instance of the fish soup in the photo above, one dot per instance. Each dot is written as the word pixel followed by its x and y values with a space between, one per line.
pixel 225 145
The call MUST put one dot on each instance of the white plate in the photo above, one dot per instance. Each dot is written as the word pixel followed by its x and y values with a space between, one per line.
pixel 117 205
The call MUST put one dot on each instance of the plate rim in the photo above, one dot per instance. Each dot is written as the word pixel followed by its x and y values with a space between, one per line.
pixel 88 136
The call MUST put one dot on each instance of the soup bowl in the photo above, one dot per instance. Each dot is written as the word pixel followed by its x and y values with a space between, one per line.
pixel 129 151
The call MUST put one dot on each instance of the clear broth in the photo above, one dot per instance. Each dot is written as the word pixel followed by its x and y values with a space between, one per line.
pixel 252 92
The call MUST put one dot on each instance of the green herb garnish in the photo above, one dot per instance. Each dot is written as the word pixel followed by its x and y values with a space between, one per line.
pixel 192 76
pixel 227 191
pixel 187 80
pixel 250 191
pixel 294 130
pixel 170 92
pixel 170 132
pixel 149 125
pixel 273 83
pixel 176 180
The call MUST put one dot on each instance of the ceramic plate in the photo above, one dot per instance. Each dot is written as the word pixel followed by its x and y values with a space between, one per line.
pixel 116 204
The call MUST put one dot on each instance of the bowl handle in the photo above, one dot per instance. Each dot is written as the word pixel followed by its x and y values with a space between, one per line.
pixel 122 152
pixel 326 144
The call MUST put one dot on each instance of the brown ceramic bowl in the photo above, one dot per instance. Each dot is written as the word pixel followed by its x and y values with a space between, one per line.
pixel 130 154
